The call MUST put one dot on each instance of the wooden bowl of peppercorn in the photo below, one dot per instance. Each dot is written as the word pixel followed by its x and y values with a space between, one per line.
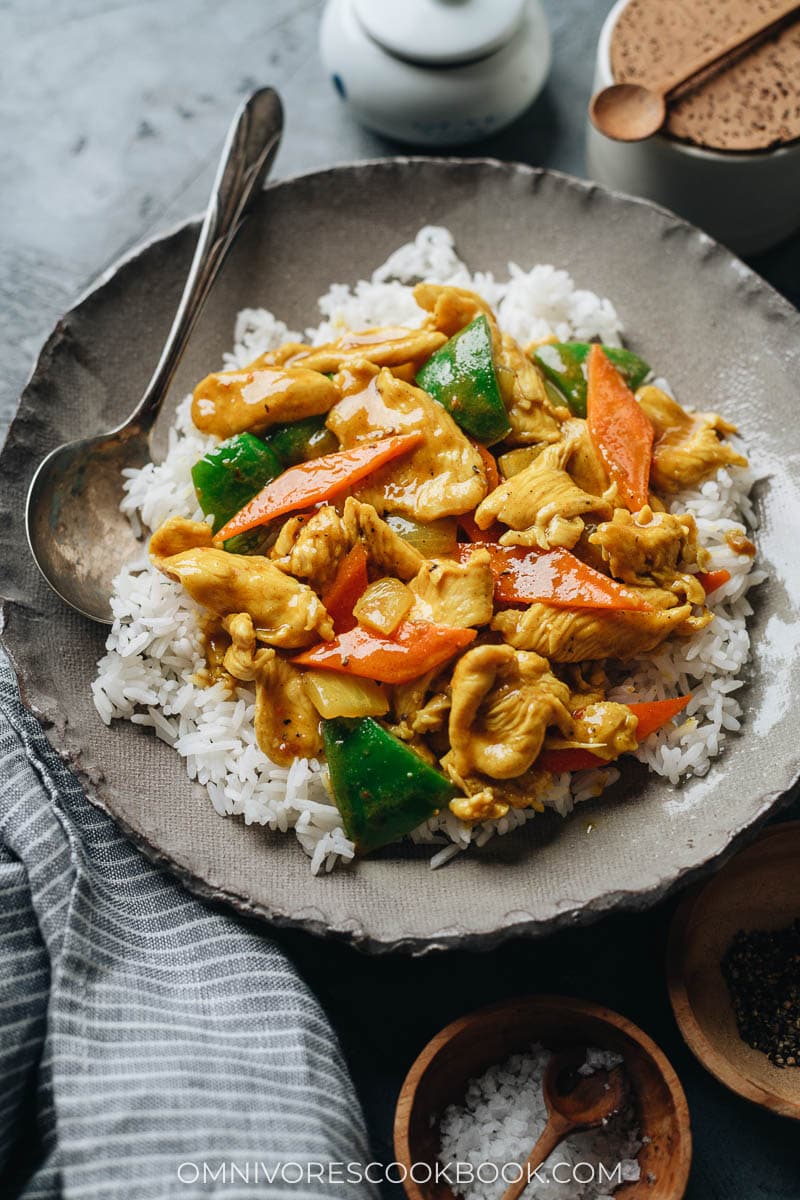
pixel 733 967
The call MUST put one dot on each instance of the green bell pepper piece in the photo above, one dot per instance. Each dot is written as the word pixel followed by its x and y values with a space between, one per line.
pixel 564 363
pixel 300 441
pixel 382 788
pixel 255 541
pixel 461 376
pixel 231 474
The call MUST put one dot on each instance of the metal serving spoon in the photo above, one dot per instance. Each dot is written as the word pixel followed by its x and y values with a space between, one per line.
pixel 76 532
pixel 631 112
pixel 573 1102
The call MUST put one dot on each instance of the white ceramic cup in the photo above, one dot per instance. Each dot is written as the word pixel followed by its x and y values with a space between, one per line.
pixel 747 201
pixel 434 105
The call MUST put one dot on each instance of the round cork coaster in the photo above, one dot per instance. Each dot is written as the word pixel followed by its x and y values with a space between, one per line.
pixel 751 103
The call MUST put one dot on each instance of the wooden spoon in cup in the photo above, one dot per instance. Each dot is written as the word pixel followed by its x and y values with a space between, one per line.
pixel 631 112
pixel 574 1102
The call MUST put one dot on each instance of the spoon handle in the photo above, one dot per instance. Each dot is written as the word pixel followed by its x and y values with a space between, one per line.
pixel 552 1135
pixel 741 41
pixel 250 147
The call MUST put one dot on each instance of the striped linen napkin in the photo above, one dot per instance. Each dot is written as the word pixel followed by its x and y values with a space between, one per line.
pixel 150 1046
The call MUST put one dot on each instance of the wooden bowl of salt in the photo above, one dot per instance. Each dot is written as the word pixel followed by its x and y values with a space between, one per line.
pixel 468 1047
pixel 758 894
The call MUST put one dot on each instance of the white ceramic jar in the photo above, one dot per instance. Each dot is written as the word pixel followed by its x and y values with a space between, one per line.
pixel 436 72
pixel 747 201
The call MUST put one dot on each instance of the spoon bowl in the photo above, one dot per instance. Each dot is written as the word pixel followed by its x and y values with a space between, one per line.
pixel 78 537
pixel 581 1101
pixel 628 112
pixel 76 531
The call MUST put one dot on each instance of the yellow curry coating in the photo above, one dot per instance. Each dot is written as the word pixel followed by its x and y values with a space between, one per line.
pixel 535 677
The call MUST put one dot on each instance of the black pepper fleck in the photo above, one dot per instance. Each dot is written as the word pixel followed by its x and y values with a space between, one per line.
pixel 762 971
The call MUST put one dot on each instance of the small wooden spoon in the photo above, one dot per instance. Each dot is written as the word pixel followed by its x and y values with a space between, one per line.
pixel 631 112
pixel 573 1102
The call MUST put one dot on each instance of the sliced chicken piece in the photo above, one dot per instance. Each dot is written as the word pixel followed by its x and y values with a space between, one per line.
pixel 420 747
pixel 285 612
pixel 385 548
pixel 286 722
pixel 682 589
pixel 258 397
pixel 282 356
pixel 647 547
pixel 481 801
pixel 603 727
pixel 430 718
pixel 688 446
pixel 312 547
pixel 451 308
pixel 408 698
pixel 443 477
pixel 433 715
pixel 290 530
pixel 419 708
pixel 503 701
pixel 451 593
pixel 384 347
pixel 531 415
pixel 575 635
pixel 584 463
pixel 178 534
pixel 488 800
pixel 542 505
pixel 588 682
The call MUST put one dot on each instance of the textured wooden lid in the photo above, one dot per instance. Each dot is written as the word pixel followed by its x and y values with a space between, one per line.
pixel 753 104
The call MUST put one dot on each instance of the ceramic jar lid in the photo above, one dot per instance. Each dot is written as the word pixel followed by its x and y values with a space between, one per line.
pixel 439 32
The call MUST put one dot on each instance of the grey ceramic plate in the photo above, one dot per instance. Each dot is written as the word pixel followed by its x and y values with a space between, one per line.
pixel 725 339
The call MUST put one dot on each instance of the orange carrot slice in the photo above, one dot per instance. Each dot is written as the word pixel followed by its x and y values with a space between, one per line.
pixel 621 431
pixel 350 583
pixel 320 479
pixel 523 576
pixel 415 647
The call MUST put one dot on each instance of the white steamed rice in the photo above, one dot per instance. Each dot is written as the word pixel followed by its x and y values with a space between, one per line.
pixel 155 649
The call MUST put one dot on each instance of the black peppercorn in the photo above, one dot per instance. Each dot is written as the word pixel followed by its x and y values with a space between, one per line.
pixel 762 971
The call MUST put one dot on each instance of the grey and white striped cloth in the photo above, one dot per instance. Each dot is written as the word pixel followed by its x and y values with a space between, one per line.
pixel 150 1046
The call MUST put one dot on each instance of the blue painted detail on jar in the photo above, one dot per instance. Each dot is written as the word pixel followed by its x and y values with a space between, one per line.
pixel 338 83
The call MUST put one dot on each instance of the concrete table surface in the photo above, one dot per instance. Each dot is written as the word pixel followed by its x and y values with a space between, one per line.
pixel 113 114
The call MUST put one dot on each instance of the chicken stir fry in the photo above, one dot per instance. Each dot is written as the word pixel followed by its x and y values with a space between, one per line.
pixel 431 552
pixel 542 504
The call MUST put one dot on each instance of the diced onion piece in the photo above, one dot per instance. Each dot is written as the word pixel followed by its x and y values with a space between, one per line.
pixel 555 395
pixel 383 605
pixel 505 380
pixel 335 695
pixel 431 538
pixel 515 461
pixel 406 371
